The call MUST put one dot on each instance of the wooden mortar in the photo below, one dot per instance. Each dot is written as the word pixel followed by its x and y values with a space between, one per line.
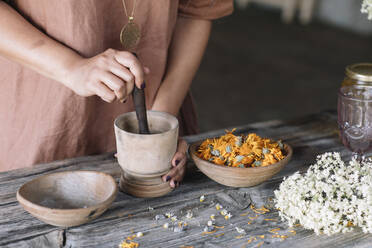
pixel 146 157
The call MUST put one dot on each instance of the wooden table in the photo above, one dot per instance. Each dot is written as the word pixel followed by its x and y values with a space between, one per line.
pixel 308 136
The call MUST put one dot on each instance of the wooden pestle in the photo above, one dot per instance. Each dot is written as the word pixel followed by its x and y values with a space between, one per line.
pixel 140 106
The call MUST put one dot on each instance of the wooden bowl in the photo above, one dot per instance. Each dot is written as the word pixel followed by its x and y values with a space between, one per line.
pixel 68 198
pixel 238 177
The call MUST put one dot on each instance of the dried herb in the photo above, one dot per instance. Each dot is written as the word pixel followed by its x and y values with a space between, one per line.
pixel 241 151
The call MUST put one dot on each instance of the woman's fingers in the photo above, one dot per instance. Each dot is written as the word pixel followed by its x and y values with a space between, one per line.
pixel 111 74
pixel 101 90
pixel 178 158
pixel 116 84
pixel 132 63
pixel 176 174
pixel 123 73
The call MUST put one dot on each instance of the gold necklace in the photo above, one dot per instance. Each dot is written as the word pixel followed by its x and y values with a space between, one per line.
pixel 130 33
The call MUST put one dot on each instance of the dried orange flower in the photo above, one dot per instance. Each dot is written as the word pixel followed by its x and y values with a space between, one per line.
pixel 131 244
pixel 241 151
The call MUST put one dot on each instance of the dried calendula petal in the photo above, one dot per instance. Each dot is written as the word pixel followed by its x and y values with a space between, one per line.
pixel 212 217
pixel 228 216
pixel 139 234
pixel 125 244
pixel 204 233
pixel 166 225
pixel 253 218
pixel 276 230
pixel 218 206
pixel 240 230
pixel 202 198
pixel 131 237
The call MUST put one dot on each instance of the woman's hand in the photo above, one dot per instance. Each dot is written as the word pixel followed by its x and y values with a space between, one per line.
pixel 176 174
pixel 110 75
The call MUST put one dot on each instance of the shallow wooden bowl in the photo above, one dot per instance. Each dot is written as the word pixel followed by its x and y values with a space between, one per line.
pixel 68 198
pixel 239 177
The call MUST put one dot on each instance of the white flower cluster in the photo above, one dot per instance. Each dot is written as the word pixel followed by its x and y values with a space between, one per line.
pixel 331 197
pixel 367 8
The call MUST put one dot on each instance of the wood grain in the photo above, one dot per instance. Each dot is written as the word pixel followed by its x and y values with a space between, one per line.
pixel 308 137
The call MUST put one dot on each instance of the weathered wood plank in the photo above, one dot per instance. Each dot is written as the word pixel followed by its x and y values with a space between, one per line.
pixel 308 136
pixel 47 240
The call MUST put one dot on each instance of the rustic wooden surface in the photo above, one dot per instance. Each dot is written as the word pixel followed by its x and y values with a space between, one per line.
pixel 308 136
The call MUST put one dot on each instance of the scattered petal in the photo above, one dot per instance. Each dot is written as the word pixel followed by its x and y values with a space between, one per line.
pixel 224 212
pixel 240 230
pixel 159 217
pixel 189 215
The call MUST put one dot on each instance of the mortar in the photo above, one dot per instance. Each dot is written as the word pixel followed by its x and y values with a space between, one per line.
pixel 144 158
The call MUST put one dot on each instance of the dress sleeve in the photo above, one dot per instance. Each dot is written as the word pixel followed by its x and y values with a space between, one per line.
pixel 205 9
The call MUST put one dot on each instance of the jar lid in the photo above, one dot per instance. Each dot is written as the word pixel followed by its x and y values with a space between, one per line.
pixel 361 71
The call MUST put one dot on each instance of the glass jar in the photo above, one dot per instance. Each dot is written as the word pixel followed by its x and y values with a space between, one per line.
pixel 355 109
pixel 358 74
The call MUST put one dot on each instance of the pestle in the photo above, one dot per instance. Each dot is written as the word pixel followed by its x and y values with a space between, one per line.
pixel 140 106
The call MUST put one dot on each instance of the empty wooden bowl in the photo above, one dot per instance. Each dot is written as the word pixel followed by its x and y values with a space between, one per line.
pixel 239 177
pixel 68 198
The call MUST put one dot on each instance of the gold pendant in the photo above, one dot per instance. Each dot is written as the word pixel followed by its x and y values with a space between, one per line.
pixel 130 35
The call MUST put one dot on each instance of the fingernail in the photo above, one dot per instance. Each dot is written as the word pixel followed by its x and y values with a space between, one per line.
pixel 177 162
pixel 168 178
pixel 143 85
